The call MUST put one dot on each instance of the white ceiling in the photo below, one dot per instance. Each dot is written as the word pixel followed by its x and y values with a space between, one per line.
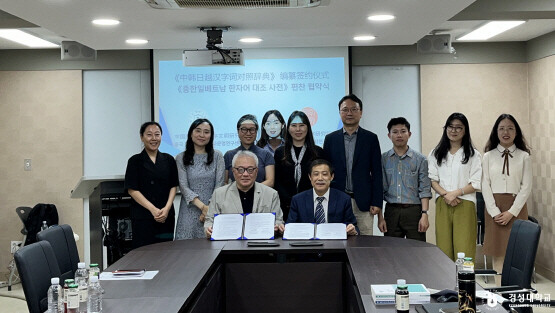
pixel 333 25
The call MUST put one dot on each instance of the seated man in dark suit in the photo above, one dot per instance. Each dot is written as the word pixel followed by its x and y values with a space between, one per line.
pixel 322 204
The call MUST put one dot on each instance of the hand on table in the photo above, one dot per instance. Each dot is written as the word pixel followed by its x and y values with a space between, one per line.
pixel 351 230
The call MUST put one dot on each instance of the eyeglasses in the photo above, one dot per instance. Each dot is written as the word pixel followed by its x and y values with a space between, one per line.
pixel 248 130
pixel 347 110
pixel 241 170
pixel 456 129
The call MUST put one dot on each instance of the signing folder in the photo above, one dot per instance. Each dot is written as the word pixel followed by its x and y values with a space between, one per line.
pixel 309 231
pixel 243 226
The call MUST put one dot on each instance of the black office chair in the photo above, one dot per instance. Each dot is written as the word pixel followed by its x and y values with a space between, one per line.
pixel 480 217
pixel 36 264
pixel 22 212
pixel 518 265
pixel 64 246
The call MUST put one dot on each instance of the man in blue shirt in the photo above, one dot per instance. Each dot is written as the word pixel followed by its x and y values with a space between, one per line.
pixel 406 186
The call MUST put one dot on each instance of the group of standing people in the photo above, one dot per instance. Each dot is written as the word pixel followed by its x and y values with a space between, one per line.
pixel 401 176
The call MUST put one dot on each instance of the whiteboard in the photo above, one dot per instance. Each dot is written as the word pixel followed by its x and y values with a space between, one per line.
pixel 115 104
pixel 387 92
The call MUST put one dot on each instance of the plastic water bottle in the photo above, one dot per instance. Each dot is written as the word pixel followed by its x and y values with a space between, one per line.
pixel 458 267
pixel 54 296
pixel 94 304
pixel 82 280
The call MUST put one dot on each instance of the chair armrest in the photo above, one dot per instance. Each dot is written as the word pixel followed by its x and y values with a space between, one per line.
pixel 481 272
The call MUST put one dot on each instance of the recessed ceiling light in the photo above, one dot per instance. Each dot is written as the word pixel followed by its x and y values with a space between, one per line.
pixel 136 41
pixel 364 38
pixel 381 17
pixel 250 40
pixel 105 22
pixel 26 39
pixel 490 29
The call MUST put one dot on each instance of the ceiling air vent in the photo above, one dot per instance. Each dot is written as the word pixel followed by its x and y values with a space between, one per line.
pixel 235 4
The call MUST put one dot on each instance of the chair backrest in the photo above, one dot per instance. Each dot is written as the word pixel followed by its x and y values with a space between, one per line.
pixel 36 265
pixel 64 246
pixel 480 211
pixel 518 265
pixel 23 213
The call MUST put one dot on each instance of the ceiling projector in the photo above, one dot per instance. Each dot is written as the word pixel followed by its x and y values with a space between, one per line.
pixel 213 54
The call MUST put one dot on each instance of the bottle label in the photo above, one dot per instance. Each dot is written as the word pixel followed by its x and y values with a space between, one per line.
pixel 73 300
pixel 83 294
pixel 402 302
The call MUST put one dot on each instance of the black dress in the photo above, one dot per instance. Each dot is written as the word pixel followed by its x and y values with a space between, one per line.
pixel 154 181
pixel 285 176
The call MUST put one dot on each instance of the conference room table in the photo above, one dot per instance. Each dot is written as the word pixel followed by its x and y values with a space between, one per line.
pixel 200 275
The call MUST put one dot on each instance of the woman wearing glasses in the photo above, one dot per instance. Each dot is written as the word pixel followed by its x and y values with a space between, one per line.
pixel 151 181
pixel 455 169
pixel 201 170
pixel 273 126
pixel 247 127
pixel 294 158
pixel 506 185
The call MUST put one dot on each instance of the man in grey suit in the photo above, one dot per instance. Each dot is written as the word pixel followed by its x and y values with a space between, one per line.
pixel 244 195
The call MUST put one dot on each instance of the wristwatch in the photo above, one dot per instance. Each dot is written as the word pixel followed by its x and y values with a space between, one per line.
pixel 424 212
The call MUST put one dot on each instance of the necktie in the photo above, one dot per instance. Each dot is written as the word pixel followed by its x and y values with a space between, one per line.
pixel 319 215
pixel 506 154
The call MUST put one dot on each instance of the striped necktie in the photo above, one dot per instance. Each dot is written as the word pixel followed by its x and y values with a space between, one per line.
pixel 319 215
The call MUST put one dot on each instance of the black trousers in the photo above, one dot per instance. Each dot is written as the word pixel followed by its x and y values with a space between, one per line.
pixel 402 221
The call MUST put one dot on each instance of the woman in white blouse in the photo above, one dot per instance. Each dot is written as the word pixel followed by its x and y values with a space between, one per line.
pixel 455 169
pixel 506 185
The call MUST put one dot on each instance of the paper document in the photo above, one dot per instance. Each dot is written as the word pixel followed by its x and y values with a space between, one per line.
pixel 301 231
pixel 259 226
pixel 227 227
pixel 110 276
pixel 331 231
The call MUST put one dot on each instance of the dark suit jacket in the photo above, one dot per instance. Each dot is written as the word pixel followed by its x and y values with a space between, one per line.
pixel 367 167
pixel 339 208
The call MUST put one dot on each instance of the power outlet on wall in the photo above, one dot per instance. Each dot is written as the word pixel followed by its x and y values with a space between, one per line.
pixel 14 246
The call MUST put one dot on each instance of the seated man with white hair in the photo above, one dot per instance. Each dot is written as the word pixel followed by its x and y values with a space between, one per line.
pixel 244 195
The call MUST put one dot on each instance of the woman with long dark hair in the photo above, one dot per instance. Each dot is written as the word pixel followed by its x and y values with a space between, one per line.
pixel 273 131
pixel 151 181
pixel 293 160
pixel 506 185
pixel 201 170
pixel 455 169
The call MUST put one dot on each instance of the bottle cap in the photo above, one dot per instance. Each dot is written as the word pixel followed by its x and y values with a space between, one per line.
pixel 401 282
pixel 69 281
pixel 460 255
pixel 468 259
pixel 93 265
pixel 94 279
pixel 81 265
pixel 73 286
pixel 55 281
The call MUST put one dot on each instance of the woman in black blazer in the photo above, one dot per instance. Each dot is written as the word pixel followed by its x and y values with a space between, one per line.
pixel 293 160
pixel 151 181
